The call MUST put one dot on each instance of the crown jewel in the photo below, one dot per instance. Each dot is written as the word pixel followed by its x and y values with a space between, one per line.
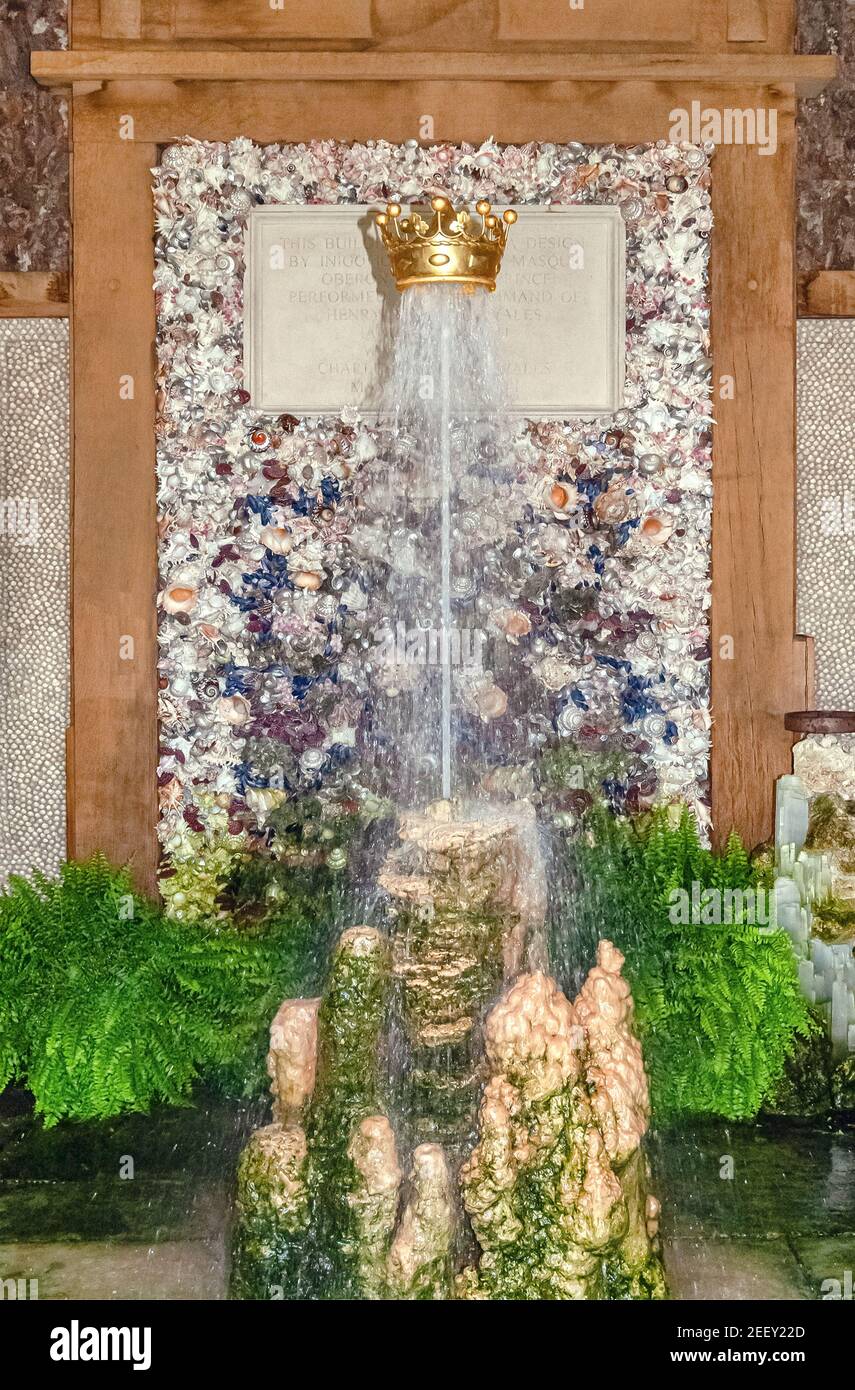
pixel 451 247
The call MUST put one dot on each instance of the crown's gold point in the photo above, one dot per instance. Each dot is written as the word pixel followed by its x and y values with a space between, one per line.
pixel 510 216
pixel 449 249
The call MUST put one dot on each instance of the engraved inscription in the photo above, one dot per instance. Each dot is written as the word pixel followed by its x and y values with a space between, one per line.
pixel 321 303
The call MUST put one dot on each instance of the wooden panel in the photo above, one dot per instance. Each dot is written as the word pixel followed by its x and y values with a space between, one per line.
pixel 121 19
pixel 747 21
pixel 754 342
pixel 452 25
pixel 809 72
pixel 28 294
pixel 827 294
pixel 217 19
pixel 113 736
pixel 648 21
pixel 760 669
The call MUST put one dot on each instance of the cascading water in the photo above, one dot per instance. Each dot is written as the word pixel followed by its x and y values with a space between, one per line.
pixel 444 417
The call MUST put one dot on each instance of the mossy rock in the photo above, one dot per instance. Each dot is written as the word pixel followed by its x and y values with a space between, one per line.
pixel 843 1085
pixel 832 829
pixel 272 1212
pixel 833 920
pixel 804 1088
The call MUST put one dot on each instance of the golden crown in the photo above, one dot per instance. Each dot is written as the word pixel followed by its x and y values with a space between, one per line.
pixel 450 247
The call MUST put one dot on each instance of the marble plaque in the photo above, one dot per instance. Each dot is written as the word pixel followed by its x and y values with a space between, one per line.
pixel 320 306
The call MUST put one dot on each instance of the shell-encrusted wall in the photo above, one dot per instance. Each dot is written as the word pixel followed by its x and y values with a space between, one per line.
pixel 34 592
pixel 595 552
pixel 826 504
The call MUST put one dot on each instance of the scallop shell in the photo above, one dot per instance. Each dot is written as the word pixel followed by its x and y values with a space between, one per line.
pixel 512 623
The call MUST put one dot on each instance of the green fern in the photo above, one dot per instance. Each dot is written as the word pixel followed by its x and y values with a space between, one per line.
pixel 107 1005
pixel 718 1007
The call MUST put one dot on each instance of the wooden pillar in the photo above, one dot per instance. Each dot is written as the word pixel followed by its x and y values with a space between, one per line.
pixel 113 738
pixel 759 668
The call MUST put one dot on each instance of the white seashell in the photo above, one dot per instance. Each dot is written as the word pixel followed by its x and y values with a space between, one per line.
pixel 180 598
pixel 262 800
pixel 276 538
pixel 309 580
pixel 233 709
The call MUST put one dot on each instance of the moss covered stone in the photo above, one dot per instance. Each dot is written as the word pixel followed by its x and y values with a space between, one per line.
pixel 272 1213
pixel 843 1085
pixel 804 1089
pixel 556 1189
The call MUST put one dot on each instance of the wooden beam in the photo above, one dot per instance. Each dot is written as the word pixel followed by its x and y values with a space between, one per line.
pixel 760 669
pixel 30 294
pixel 827 294
pixel 810 73
pixel 113 734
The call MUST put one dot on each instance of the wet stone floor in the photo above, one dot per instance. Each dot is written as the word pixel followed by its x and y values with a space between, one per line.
pixel 140 1208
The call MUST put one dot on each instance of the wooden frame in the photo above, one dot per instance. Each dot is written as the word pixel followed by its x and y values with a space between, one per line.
pixel 760 669
pixel 453 25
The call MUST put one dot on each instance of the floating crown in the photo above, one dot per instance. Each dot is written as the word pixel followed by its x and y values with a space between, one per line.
pixel 451 247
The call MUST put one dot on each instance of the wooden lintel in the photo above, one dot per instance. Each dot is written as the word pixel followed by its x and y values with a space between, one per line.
pixel 808 73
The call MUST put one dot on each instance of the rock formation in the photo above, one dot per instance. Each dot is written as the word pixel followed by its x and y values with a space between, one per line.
pixel 556 1188
pixel 556 1184
pixel 292 1058
pixel 464 910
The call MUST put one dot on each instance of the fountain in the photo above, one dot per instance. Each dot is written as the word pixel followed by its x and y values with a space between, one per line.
pixel 447 1124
